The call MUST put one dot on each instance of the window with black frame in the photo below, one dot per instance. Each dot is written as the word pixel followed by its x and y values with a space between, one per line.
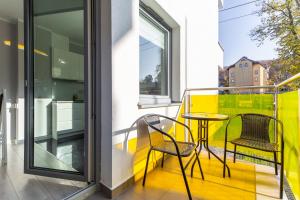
pixel 154 56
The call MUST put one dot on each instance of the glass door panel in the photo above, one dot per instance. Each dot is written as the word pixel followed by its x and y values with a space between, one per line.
pixel 58 133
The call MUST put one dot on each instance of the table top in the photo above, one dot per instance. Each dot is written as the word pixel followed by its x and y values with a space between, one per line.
pixel 205 116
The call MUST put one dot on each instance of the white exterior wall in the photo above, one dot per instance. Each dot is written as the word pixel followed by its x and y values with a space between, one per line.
pixel 196 64
pixel 202 45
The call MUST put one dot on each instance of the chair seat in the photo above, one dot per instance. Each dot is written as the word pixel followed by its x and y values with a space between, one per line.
pixel 264 146
pixel 185 148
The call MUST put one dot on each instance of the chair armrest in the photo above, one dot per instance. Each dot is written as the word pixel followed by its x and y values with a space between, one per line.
pixel 165 134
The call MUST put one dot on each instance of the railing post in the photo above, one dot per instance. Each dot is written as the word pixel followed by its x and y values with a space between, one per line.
pixel 187 103
pixel 276 113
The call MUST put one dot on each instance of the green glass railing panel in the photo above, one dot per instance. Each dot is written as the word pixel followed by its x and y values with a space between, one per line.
pixel 231 104
pixel 288 113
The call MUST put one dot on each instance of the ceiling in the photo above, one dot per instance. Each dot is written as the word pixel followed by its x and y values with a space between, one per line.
pixel 69 24
pixel 11 10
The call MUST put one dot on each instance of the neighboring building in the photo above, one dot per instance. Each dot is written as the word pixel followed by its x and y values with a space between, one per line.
pixel 91 69
pixel 223 77
pixel 247 72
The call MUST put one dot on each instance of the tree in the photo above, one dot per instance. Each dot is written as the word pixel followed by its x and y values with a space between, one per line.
pixel 148 79
pixel 280 22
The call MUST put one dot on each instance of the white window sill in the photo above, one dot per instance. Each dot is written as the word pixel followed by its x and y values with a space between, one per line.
pixel 147 106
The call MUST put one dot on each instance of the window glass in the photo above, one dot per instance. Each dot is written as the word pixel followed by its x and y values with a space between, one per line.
pixel 154 49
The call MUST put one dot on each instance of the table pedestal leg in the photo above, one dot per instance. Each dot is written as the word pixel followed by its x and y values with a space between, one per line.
pixel 199 143
pixel 206 146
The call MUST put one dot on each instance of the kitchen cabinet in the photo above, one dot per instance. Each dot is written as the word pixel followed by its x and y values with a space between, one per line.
pixel 42 115
pixel 67 65
pixel 67 117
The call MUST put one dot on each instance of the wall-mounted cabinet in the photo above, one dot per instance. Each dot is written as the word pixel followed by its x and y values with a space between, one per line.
pixel 67 65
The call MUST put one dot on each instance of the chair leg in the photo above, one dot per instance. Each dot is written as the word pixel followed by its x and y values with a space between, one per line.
pixel 234 154
pixel 224 161
pixel 146 168
pixel 200 148
pixel 162 160
pixel 184 177
pixel 198 160
pixel 275 164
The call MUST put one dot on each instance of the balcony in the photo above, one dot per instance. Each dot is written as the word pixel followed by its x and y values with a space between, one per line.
pixel 250 178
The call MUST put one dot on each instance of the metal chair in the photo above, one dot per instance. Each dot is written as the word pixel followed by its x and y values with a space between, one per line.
pixel 165 143
pixel 255 134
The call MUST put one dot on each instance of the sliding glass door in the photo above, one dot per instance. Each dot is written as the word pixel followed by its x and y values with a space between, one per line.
pixel 56 137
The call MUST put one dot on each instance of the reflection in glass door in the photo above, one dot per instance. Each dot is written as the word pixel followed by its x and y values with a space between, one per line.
pixel 57 142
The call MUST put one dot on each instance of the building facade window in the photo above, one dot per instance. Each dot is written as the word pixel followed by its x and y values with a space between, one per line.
pixel 154 50
pixel 241 65
pixel 256 72
pixel 246 64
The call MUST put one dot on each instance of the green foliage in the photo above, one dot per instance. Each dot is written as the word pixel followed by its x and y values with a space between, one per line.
pixel 280 22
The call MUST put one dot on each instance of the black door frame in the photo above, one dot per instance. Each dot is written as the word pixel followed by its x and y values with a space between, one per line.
pixel 29 101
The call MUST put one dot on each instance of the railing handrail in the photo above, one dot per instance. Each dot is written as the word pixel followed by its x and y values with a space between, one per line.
pixel 289 80
pixel 231 88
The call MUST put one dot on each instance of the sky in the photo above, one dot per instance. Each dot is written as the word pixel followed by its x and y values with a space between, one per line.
pixel 234 35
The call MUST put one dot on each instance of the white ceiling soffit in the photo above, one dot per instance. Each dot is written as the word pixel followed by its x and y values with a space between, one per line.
pixel 11 10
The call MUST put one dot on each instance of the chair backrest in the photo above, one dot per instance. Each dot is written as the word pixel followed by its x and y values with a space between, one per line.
pixel 256 127
pixel 146 126
pixel 142 134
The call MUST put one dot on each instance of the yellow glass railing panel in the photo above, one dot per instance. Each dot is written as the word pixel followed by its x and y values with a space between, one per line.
pixel 288 113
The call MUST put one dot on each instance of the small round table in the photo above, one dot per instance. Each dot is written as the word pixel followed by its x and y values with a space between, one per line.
pixel 203 119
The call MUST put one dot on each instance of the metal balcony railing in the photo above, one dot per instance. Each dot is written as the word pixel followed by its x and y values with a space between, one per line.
pixel 272 100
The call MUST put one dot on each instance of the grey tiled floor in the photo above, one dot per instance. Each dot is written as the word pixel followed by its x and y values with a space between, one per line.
pixel 15 185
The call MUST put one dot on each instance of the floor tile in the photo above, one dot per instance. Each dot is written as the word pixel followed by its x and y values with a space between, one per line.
pixel 167 183
pixel 14 184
